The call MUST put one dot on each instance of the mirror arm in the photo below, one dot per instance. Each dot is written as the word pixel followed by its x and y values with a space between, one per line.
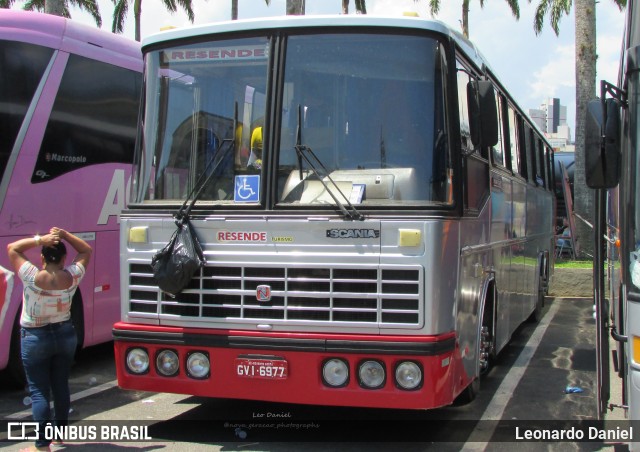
pixel 617 93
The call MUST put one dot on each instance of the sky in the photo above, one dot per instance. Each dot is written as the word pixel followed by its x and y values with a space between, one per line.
pixel 533 68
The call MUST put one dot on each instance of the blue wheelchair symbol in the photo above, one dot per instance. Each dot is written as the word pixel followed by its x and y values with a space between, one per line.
pixel 247 188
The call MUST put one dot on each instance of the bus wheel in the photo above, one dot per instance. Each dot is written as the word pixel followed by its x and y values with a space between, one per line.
pixel 536 315
pixel 469 393
pixel 486 352
pixel 15 372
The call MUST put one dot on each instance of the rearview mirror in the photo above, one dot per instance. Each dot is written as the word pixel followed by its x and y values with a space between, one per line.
pixel 602 147
pixel 483 113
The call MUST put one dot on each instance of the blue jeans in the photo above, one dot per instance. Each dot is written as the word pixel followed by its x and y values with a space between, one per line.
pixel 47 355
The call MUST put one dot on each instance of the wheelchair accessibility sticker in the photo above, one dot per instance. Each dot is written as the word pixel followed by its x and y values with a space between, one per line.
pixel 247 188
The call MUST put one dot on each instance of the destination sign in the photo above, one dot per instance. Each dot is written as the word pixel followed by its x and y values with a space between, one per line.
pixel 231 53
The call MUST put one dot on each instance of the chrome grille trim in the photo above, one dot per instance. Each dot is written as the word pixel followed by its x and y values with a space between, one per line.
pixel 382 296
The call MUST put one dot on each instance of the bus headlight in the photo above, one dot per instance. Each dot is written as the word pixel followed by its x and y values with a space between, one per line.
pixel 167 363
pixel 408 375
pixel 198 365
pixel 137 361
pixel 372 374
pixel 335 372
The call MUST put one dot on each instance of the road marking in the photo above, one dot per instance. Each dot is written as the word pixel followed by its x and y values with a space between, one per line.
pixel 496 407
pixel 77 396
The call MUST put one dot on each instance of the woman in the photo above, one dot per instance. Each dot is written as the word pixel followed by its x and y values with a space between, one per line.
pixel 48 339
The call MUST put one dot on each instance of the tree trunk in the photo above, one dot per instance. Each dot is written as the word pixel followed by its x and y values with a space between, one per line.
pixel 295 7
pixel 234 9
pixel 465 18
pixel 585 11
pixel 54 7
pixel 137 13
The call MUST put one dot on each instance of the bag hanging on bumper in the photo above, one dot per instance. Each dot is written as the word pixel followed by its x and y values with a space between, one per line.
pixel 176 263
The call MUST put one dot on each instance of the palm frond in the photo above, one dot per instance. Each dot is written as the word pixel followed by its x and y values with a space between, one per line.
pixel 119 15
pixel 187 5
pixel 434 7
pixel 34 5
pixel 558 8
pixel 170 5
pixel 541 12
pixel 515 8
pixel 622 4
pixel 91 6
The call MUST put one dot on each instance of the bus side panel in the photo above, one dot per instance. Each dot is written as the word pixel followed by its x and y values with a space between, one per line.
pixel 106 288
pixel 633 332
pixel 502 189
pixel 475 260
pixel 19 214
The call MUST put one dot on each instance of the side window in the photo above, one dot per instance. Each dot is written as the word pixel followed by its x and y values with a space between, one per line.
pixel 541 166
pixel 548 156
pixel 497 152
pixel 463 109
pixel 526 151
pixel 523 146
pixel 93 119
pixel 22 68
pixel 513 140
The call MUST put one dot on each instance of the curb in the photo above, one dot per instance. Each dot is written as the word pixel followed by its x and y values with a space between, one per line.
pixel 572 282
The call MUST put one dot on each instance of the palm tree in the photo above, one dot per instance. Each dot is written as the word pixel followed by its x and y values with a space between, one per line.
pixel 122 7
pixel 434 7
pixel 59 7
pixel 234 8
pixel 361 7
pixel 585 45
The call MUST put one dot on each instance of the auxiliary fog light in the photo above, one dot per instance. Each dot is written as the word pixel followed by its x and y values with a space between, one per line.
pixel 167 363
pixel 138 361
pixel 335 372
pixel 198 365
pixel 372 374
pixel 408 375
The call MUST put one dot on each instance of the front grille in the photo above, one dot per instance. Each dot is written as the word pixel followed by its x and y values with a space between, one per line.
pixel 377 296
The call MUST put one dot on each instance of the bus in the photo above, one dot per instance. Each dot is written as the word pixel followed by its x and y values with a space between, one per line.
pixel 612 144
pixel 69 101
pixel 375 210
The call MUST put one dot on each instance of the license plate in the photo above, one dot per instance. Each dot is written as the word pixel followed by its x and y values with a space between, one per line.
pixel 270 369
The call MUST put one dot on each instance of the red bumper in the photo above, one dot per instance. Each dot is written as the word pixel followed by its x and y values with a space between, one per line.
pixel 305 354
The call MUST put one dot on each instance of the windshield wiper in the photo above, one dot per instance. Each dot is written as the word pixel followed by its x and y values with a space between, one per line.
pixel 302 151
pixel 214 162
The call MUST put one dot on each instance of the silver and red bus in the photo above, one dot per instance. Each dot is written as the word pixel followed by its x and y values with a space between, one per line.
pixel 69 102
pixel 377 214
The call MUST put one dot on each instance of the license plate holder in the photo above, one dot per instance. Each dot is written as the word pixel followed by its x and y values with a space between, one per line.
pixel 264 368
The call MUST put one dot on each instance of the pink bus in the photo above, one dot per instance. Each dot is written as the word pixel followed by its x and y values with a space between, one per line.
pixel 69 97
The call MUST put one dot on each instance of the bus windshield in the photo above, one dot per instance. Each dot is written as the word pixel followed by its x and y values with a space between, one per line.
pixel 360 118
pixel 371 108
pixel 198 99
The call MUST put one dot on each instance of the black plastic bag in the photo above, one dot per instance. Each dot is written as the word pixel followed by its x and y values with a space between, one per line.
pixel 175 264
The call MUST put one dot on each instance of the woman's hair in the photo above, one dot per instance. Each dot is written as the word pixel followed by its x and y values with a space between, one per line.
pixel 53 254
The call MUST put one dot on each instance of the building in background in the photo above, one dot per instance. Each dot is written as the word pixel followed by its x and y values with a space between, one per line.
pixel 551 118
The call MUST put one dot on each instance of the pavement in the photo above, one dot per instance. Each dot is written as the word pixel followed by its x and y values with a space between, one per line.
pixel 571 283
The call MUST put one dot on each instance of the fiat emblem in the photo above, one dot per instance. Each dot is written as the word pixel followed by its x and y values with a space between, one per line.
pixel 263 293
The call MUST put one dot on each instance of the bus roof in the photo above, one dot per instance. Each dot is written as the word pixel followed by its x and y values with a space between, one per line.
pixel 317 21
pixel 67 35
